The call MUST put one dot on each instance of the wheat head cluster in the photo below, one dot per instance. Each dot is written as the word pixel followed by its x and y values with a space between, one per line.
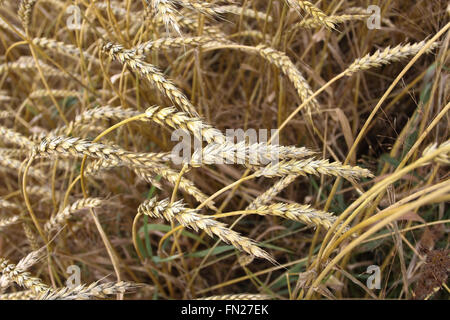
pixel 87 113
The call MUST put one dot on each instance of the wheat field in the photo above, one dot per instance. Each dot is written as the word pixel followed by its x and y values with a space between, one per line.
pixel 343 194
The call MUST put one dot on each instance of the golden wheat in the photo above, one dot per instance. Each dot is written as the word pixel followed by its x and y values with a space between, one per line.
pixel 78 147
pixel 192 219
pixel 83 292
pixel 58 220
pixel 151 73
pixel 22 278
pixel 313 166
pixel 316 14
pixel 388 55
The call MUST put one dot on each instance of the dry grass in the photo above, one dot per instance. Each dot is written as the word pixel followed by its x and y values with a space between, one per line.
pixel 88 118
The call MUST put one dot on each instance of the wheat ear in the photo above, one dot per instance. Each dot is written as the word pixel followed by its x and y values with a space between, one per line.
pixel 101 113
pixel 5 204
pixel 192 219
pixel 31 236
pixel 443 158
pixel 248 154
pixel 151 73
pixel 312 10
pixel 172 43
pixel 180 120
pixel 204 8
pixel 282 61
pixel 16 153
pixel 25 11
pixel 298 212
pixel 148 174
pixel 24 264
pixel 6 222
pixel 80 147
pixel 313 166
pixel 388 55
pixel 22 278
pixel 61 47
pixel 247 12
pixel 5 26
pixel 5 114
pixel 57 220
pixel 166 10
pixel 171 176
pixel 311 23
pixel 14 137
pixel 83 292
pixel 113 6
pixel 20 295
pixel 16 166
pixel 272 192
pixel 27 63
pixel 193 24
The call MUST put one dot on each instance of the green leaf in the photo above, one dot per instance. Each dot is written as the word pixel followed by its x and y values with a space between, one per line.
pixel 166 228
pixel 216 251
